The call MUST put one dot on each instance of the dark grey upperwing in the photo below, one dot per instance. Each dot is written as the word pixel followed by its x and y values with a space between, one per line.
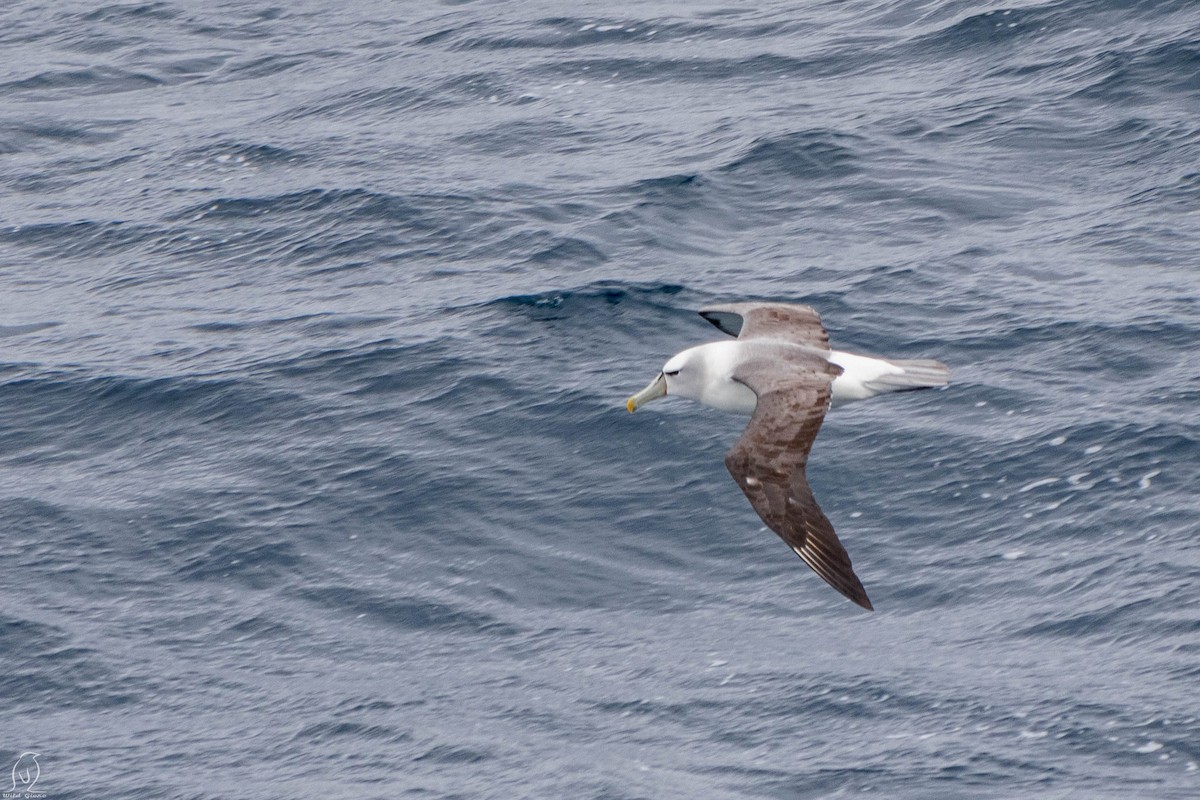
pixel 788 322
pixel 768 461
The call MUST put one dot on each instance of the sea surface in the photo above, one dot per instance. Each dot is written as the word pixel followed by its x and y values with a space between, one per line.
pixel 317 322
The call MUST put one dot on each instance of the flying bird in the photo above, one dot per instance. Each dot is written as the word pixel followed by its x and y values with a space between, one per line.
pixel 781 371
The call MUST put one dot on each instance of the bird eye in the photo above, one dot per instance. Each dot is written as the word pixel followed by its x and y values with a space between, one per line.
pixel 672 372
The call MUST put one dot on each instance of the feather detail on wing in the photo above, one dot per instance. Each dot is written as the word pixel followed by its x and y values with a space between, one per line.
pixel 769 459
pixel 788 322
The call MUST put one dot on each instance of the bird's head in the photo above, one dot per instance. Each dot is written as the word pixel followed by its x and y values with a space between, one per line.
pixel 682 375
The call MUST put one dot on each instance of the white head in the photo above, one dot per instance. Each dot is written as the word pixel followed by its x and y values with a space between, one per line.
pixel 684 375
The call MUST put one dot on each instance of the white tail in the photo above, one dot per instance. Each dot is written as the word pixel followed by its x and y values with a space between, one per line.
pixel 919 373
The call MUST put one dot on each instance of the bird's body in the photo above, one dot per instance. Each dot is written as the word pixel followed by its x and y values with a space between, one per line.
pixel 782 372
pixel 861 376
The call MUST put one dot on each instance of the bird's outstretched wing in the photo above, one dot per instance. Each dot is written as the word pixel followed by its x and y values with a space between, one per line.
pixel 788 322
pixel 768 461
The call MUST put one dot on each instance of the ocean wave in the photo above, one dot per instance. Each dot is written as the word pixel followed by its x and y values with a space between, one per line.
pixel 81 82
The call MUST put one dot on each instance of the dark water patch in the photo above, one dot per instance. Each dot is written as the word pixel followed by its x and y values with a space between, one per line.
pixel 410 613
pixel 1174 66
pixel 647 226
pixel 80 239
pixel 558 33
pixel 109 29
pixel 586 301
pixel 1182 194
pixel 225 526
pixel 916 593
pixel 60 545
pixel 26 329
pixel 437 37
pixel 321 233
pixel 860 699
pixel 672 193
pixel 811 784
pixel 1041 505
pixel 1130 244
pixel 1142 343
pixel 255 563
pixel 752 189
pixel 26 636
pixel 676 206
pixel 80 83
pixel 806 155
pixel 132 13
pixel 1080 452
pixel 489 87
pixel 568 250
pixel 82 415
pixel 562 211
pixel 357 215
pixel 47 133
pixel 325 323
pixel 965 121
pixel 259 628
pixel 238 23
pixel 187 69
pixel 245 154
pixel 353 202
pixel 207 401
pixel 364 102
pixel 1116 619
pixel 979 742
pixel 666 188
pixel 358 369
pixel 453 755
pixel 268 66
pixel 697 70
pixel 976 34
pixel 525 137
pixel 1140 139
pixel 327 733
pixel 354 707
pixel 307 323
pixel 605 34
pixel 1130 75
pixel 41 668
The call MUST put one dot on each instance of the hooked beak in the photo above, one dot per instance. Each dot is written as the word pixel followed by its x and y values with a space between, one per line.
pixel 656 389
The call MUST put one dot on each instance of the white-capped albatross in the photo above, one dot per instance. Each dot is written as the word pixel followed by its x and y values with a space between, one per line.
pixel 781 371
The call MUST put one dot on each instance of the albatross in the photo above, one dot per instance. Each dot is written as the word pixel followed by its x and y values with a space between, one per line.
pixel 781 371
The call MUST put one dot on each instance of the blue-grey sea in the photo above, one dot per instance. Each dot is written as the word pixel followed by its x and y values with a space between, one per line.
pixel 317 323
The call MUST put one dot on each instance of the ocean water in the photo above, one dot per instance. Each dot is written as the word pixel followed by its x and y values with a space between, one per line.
pixel 317 324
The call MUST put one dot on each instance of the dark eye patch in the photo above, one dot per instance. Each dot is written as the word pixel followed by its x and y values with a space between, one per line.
pixel 672 372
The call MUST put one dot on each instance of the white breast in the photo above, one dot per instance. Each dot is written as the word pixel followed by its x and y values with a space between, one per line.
pixel 719 390
pixel 729 395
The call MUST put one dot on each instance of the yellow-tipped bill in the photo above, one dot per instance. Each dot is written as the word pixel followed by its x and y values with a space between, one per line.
pixel 656 389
